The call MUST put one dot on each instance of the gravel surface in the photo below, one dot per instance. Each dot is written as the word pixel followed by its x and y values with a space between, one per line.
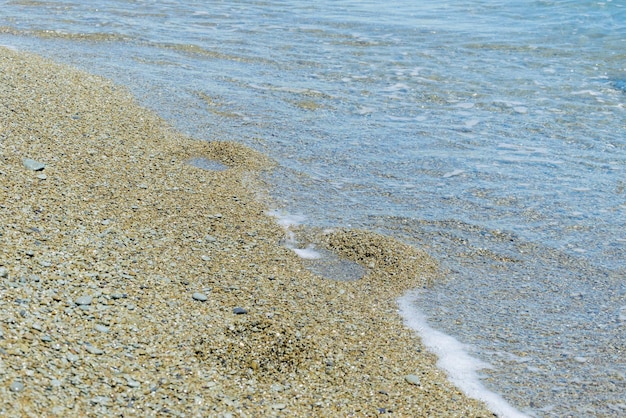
pixel 133 283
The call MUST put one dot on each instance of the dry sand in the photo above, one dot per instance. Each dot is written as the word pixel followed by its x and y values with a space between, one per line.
pixel 101 253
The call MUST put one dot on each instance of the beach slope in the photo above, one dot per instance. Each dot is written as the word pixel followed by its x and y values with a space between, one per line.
pixel 134 283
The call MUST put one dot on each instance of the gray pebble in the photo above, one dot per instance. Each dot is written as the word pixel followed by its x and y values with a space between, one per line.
pixel 4 272
pixel 17 386
pixel 210 238
pixel 102 328
pixel 239 311
pixel 93 350
pixel 199 296
pixel 412 379
pixel 101 400
pixel 84 300
pixel 132 382
pixel 33 165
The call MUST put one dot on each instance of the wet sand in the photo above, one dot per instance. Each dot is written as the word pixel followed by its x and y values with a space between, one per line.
pixel 134 283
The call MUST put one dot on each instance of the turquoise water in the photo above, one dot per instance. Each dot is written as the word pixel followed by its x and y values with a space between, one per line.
pixel 490 133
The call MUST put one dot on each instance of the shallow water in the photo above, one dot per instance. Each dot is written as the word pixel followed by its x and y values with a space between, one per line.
pixel 490 133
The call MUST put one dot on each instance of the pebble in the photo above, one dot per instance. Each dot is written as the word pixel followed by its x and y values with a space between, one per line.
pixel 93 350
pixel 132 382
pixel 453 173
pixel 102 328
pixel 102 400
pixel 239 311
pixel 279 406
pixel 32 164
pixel 17 386
pixel 199 296
pixel 4 272
pixel 412 379
pixel 84 300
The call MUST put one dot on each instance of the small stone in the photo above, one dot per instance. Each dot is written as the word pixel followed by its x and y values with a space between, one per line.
pixel 4 272
pixel 412 379
pixel 84 300
pixel 32 164
pixel 199 296
pixel 101 400
pixel 116 296
pixel 17 386
pixel 210 238
pixel 279 406
pixel 55 383
pixel 93 350
pixel 132 382
pixel 72 357
pixel 239 311
pixel 42 176
pixel 102 328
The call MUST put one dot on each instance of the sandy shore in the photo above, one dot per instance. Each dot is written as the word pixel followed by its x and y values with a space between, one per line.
pixel 135 284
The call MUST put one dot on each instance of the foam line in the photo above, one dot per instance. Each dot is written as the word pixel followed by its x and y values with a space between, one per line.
pixel 462 369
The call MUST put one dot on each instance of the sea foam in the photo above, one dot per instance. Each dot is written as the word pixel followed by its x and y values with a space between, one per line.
pixel 454 359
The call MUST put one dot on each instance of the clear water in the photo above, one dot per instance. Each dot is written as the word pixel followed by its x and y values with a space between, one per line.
pixel 491 133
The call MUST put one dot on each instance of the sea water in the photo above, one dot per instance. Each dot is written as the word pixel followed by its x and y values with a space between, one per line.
pixel 490 133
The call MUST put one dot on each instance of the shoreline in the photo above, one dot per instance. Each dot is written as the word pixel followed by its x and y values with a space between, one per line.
pixel 135 283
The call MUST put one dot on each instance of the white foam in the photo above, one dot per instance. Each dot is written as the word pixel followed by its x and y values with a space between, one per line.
pixel 462 369
pixel 307 253
pixel 287 220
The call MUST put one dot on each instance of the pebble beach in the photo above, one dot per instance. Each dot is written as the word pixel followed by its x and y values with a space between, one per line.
pixel 136 283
